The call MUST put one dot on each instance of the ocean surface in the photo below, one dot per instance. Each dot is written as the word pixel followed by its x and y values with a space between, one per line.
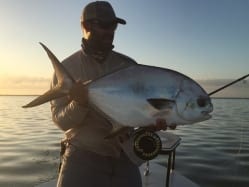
pixel 214 153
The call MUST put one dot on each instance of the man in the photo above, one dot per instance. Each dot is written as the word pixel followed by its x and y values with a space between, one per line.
pixel 89 159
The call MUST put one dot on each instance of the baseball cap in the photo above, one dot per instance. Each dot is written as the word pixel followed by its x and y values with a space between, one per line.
pixel 101 11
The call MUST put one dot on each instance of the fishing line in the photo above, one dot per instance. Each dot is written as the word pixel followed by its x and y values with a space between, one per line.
pixel 243 130
pixel 235 165
pixel 241 138
pixel 237 155
pixel 233 141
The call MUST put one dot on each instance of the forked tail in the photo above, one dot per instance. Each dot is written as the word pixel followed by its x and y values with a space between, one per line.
pixel 65 81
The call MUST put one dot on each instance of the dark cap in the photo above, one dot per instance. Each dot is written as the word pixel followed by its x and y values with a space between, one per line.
pixel 102 11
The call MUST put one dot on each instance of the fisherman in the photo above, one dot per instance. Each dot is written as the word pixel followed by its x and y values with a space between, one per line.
pixel 88 159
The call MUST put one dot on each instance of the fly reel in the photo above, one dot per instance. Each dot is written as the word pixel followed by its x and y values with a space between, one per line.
pixel 147 144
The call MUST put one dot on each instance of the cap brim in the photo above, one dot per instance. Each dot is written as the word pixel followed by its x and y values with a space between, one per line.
pixel 121 21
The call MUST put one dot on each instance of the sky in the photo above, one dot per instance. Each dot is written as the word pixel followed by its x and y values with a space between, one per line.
pixel 208 40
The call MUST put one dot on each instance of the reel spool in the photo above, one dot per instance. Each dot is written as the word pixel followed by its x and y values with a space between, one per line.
pixel 147 144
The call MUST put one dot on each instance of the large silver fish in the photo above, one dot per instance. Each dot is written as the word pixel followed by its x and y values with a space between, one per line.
pixel 137 95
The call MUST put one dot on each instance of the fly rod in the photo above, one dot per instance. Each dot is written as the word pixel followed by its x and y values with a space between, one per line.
pixel 231 83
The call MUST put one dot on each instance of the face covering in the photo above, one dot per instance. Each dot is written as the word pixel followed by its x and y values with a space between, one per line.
pixel 98 45
pixel 101 41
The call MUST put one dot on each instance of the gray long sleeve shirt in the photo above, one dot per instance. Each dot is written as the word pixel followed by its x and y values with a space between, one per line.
pixel 85 127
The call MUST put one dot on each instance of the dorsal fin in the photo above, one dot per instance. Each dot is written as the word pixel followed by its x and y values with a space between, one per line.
pixel 60 70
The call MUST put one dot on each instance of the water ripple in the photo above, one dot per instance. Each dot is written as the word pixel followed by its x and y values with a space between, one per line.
pixel 214 153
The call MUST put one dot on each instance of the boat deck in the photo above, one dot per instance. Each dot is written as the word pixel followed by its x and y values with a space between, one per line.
pixel 158 175
pixel 155 178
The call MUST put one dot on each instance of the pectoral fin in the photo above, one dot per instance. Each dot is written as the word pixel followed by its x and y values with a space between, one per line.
pixel 161 104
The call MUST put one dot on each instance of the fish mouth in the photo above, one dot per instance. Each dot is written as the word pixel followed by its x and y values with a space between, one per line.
pixel 206 114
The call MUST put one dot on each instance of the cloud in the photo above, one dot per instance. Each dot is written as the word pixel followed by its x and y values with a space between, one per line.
pixel 23 85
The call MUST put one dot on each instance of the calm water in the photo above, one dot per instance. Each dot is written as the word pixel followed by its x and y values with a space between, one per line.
pixel 214 153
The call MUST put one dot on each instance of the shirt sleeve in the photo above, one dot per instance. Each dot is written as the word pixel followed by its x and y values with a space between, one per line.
pixel 66 113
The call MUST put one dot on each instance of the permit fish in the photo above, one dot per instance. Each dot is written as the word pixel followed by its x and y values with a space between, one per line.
pixel 137 95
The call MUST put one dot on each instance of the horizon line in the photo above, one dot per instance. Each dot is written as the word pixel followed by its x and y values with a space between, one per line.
pixel 217 97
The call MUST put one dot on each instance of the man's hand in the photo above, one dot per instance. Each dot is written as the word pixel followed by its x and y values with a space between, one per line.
pixel 160 124
pixel 79 93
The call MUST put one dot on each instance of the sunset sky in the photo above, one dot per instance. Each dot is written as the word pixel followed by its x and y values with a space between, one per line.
pixel 206 40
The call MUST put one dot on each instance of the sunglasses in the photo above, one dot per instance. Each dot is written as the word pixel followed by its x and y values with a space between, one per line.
pixel 105 25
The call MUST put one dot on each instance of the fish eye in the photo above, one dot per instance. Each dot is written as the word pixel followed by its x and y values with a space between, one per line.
pixel 202 102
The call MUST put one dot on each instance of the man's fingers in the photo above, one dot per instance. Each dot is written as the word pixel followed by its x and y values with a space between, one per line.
pixel 161 124
pixel 173 127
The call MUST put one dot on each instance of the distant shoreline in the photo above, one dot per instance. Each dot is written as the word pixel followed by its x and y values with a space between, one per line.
pixel 211 97
pixel 16 95
pixel 229 97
